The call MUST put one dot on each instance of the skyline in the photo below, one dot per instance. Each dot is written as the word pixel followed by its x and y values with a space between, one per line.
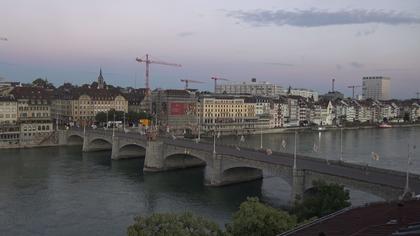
pixel 302 44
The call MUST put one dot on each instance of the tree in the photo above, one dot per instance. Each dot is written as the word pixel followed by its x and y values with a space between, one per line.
pixel 324 199
pixel 43 83
pixel 256 218
pixel 101 117
pixel 134 117
pixel 184 224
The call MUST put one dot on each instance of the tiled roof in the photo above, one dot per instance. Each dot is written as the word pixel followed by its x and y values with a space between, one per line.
pixel 374 219
pixel 32 93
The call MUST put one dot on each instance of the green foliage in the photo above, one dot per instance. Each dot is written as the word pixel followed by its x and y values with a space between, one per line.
pixel 100 117
pixel 184 224
pixel 325 199
pixel 134 117
pixel 43 83
pixel 256 218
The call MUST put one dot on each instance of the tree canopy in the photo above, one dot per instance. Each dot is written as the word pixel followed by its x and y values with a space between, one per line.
pixel 256 218
pixel 185 224
pixel 324 199
pixel 43 83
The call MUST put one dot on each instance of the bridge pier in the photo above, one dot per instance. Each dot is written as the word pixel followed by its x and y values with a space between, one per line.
pixel 85 147
pixel 213 172
pixel 115 153
pixel 154 160
pixel 298 185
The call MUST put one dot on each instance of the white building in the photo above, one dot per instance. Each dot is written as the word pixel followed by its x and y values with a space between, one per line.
pixel 306 93
pixel 254 88
pixel 376 87
pixel 8 110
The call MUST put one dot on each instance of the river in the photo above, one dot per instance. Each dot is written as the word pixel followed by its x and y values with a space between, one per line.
pixel 62 191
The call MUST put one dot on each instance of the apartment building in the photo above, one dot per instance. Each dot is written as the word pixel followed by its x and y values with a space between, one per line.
pixel 33 113
pixel 8 110
pixel 227 114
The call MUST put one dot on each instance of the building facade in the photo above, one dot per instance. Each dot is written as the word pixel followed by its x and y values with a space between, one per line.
pixel 253 88
pixel 175 111
pixel 227 114
pixel 376 87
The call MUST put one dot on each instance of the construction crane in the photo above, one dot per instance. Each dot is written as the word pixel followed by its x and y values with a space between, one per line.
pixel 187 81
pixel 353 87
pixel 147 61
pixel 215 81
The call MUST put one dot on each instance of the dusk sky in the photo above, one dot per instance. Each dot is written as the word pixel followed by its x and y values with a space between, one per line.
pixel 299 43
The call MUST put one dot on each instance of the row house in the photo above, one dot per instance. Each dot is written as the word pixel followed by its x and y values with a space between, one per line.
pixel 80 105
pixel 33 113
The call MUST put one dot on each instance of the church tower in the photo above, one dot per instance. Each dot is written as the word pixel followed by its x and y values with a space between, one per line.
pixel 101 81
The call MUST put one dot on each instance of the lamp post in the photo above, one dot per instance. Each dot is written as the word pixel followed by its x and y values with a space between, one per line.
pixel 341 144
pixel 294 153
pixel 214 140
pixel 199 128
pixel 261 137
pixel 107 118
pixel 113 127
pixel 407 176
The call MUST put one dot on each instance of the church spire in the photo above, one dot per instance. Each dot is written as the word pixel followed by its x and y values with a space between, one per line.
pixel 101 81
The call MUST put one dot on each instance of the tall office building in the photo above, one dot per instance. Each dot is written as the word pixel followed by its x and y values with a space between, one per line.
pixel 254 88
pixel 376 87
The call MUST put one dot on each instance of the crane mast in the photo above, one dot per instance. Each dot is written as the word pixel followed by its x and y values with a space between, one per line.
pixel 353 87
pixel 187 81
pixel 215 81
pixel 147 61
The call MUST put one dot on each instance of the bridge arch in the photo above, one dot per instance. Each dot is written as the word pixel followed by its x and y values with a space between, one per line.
pixel 131 150
pixel 240 174
pixel 75 139
pixel 382 192
pixel 100 144
pixel 183 160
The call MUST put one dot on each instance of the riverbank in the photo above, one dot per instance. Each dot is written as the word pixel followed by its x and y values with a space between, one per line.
pixel 327 128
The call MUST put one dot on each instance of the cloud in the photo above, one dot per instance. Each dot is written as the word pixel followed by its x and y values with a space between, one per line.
pixel 317 18
pixel 185 34
pixel 356 65
pixel 361 33
pixel 278 64
pixel 393 69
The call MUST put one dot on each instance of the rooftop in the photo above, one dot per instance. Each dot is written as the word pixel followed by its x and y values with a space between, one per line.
pixel 387 218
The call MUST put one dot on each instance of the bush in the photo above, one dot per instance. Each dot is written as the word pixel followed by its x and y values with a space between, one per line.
pixel 256 218
pixel 185 224
pixel 323 200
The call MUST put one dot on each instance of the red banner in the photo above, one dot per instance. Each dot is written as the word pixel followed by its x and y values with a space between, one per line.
pixel 178 109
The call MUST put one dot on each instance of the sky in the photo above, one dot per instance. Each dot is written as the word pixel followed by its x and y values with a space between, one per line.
pixel 302 43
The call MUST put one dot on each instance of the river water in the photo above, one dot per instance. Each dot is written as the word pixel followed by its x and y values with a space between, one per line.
pixel 62 191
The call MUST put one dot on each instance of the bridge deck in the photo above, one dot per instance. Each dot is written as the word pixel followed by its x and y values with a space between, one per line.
pixel 358 172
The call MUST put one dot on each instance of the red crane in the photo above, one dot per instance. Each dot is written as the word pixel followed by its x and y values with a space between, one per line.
pixel 353 87
pixel 187 81
pixel 147 61
pixel 215 81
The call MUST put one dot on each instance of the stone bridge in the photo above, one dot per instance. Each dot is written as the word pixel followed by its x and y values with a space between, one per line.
pixel 231 165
